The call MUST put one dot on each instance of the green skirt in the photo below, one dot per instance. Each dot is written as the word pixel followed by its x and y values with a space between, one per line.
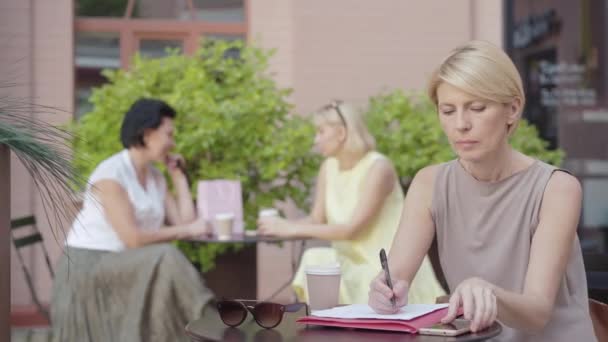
pixel 141 294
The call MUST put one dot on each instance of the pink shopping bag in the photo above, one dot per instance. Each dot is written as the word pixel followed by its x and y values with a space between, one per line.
pixel 220 196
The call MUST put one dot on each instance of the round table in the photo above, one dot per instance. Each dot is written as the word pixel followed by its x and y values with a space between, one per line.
pixel 243 238
pixel 251 239
pixel 211 328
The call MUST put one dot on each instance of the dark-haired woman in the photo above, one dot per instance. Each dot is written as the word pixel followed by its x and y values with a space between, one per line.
pixel 119 279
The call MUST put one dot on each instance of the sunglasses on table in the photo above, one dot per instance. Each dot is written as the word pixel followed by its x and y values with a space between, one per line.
pixel 267 315
pixel 335 105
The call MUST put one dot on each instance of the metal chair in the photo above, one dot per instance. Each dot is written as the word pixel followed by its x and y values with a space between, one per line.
pixel 28 240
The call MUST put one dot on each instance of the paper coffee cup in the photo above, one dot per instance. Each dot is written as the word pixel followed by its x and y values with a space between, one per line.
pixel 323 285
pixel 268 213
pixel 223 225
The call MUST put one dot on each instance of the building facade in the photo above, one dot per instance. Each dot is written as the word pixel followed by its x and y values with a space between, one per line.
pixel 350 49
pixel 561 49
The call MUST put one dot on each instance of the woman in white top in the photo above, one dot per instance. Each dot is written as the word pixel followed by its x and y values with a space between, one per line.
pixel 117 281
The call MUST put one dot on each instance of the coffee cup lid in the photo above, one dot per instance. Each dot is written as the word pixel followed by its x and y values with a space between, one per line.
pixel 331 269
pixel 268 212
pixel 224 216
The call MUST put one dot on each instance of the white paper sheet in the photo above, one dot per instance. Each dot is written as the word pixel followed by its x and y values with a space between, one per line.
pixel 406 313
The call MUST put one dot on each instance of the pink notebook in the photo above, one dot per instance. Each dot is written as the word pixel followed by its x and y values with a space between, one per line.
pixel 409 326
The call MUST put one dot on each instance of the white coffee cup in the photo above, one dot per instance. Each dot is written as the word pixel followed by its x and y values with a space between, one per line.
pixel 323 285
pixel 224 223
pixel 268 213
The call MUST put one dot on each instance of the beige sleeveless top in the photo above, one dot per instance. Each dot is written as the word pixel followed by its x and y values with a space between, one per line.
pixel 485 230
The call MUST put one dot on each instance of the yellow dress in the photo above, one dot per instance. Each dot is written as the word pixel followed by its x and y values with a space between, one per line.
pixel 359 258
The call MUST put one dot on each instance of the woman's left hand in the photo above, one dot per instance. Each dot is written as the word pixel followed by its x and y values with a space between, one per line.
pixel 275 226
pixel 477 298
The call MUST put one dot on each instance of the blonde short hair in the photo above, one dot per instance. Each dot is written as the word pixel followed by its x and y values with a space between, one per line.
pixel 358 137
pixel 481 69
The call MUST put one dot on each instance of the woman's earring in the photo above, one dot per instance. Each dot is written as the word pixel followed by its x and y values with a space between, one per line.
pixel 510 126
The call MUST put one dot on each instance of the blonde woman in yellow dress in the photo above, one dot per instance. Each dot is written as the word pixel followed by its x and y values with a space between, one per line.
pixel 357 206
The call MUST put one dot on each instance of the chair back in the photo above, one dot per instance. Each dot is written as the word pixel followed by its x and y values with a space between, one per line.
pixel 599 317
pixel 596 267
pixel 29 239
pixel 433 255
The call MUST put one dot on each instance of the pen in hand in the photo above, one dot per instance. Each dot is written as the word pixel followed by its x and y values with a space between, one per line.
pixel 384 263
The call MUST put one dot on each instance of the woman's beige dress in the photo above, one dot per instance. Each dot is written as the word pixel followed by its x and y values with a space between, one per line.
pixel 485 230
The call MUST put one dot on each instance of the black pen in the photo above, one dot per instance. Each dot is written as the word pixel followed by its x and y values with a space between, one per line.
pixel 384 263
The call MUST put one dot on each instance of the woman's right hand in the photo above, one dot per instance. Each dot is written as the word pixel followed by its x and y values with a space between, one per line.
pixel 175 164
pixel 380 295
pixel 195 228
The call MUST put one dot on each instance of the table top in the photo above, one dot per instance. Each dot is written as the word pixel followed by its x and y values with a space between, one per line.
pixel 211 328
pixel 242 238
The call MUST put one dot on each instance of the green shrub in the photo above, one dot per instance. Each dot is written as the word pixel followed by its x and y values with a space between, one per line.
pixel 233 122
pixel 408 132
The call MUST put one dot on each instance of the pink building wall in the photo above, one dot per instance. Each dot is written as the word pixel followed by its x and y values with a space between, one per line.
pixel 355 49
pixel 271 25
pixel 36 53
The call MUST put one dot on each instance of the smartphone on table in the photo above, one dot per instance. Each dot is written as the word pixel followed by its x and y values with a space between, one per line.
pixel 456 328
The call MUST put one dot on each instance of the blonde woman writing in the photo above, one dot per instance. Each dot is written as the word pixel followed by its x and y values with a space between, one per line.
pixel 505 222
pixel 357 207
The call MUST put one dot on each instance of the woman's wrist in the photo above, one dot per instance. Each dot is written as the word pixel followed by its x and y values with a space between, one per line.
pixel 495 289
pixel 178 175
pixel 182 232
pixel 180 183
pixel 294 230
